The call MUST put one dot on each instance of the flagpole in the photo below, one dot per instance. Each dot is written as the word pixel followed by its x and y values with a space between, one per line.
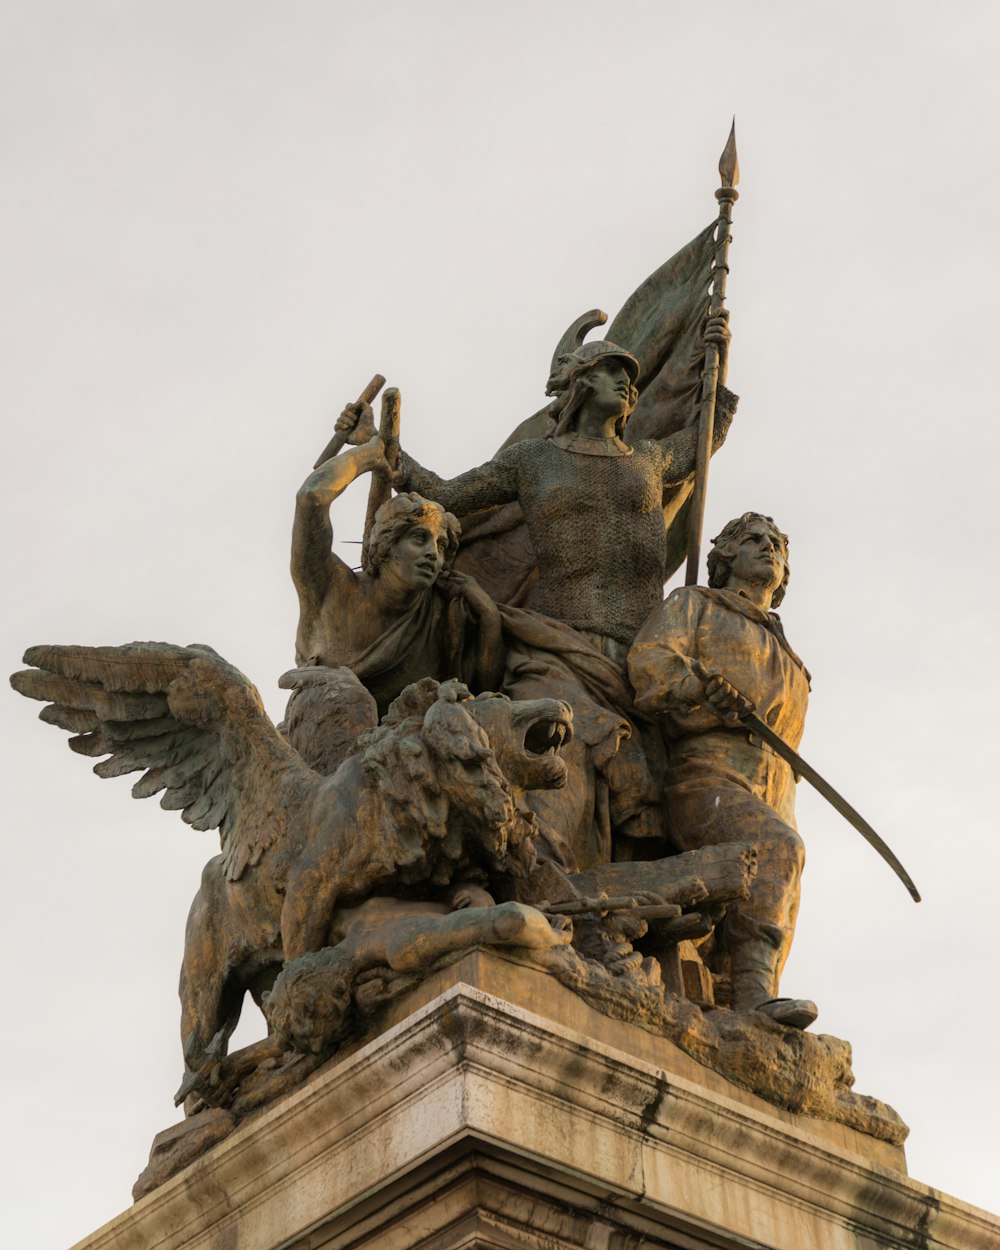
pixel 727 195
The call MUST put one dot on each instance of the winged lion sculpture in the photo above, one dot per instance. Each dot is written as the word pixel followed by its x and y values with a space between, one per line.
pixel 428 798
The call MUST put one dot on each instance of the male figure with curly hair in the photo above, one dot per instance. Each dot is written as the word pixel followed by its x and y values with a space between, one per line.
pixel 404 616
pixel 693 662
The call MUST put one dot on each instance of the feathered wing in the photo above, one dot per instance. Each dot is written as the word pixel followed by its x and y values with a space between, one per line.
pixel 328 711
pixel 189 721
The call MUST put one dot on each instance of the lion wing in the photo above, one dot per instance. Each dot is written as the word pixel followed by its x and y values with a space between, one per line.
pixel 186 719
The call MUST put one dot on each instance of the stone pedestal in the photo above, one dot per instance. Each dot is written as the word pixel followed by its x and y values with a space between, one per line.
pixel 499 1111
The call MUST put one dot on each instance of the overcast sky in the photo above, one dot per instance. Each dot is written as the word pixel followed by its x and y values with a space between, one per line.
pixel 221 218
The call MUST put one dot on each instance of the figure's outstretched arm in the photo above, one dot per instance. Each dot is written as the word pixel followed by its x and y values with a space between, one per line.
pixel 494 482
pixel 680 449
pixel 314 564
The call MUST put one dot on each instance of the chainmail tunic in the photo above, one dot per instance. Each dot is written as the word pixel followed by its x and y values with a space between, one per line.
pixel 596 521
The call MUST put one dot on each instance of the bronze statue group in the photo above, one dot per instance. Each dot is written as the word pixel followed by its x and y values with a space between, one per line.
pixel 659 762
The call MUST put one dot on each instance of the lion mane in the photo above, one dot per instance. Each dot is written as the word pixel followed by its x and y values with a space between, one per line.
pixel 426 798
pixel 430 761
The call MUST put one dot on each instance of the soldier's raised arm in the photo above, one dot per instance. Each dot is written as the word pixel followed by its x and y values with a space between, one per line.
pixel 494 482
pixel 314 564
pixel 681 448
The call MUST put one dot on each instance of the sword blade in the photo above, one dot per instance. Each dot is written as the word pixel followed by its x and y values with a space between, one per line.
pixel 754 723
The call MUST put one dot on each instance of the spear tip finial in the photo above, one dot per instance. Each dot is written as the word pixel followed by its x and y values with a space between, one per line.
pixel 729 166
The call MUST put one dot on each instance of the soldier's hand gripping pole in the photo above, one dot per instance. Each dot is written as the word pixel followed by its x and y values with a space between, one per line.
pixel 340 438
pixel 727 195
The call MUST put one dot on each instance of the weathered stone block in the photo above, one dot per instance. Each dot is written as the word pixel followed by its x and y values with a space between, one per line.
pixel 500 1111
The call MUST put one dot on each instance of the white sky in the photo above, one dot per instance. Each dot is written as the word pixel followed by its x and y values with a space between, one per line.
pixel 221 218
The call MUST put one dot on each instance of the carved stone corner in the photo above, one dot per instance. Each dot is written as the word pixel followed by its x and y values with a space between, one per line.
pixel 498 1110
pixel 175 1147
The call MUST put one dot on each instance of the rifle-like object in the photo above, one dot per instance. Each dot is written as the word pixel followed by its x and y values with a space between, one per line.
pixel 727 195
pixel 672 921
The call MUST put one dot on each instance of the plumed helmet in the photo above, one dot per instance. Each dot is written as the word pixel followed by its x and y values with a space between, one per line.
pixel 600 349
pixel 572 356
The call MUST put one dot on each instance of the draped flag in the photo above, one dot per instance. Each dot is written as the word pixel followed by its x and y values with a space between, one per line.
pixel 662 324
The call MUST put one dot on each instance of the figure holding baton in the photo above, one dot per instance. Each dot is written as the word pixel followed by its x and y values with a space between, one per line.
pixel 400 617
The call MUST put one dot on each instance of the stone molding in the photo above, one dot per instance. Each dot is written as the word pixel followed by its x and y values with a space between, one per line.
pixel 561 1129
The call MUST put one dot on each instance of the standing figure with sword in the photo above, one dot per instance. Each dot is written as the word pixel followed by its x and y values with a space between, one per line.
pixel 690 662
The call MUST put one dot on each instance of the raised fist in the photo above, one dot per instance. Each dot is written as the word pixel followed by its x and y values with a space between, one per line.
pixel 358 422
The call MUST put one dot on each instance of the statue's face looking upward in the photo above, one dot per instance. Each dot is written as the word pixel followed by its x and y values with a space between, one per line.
pixel 416 559
pixel 759 559
pixel 609 388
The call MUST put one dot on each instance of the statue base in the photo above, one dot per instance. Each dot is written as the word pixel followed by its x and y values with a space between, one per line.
pixel 499 1110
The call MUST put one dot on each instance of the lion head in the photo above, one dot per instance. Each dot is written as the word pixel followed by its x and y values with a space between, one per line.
pixel 450 769
pixel 308 1006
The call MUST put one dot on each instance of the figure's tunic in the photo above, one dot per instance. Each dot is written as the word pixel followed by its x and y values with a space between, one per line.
pixel 728 634
pixel 722 784
pixel 386 652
